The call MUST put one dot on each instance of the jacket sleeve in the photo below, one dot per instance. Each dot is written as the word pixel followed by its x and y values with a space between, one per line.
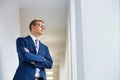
pixel 47 63
pixel 26 56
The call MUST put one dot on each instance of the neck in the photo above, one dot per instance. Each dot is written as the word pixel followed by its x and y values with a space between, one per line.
pixel 37 36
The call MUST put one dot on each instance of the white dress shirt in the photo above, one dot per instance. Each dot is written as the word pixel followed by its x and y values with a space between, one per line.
pixel 37 69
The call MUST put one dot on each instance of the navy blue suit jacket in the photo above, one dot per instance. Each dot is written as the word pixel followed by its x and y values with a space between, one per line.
pixel 26 70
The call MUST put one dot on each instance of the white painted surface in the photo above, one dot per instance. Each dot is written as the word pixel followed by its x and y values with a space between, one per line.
pixel 100 26
pixel 9 31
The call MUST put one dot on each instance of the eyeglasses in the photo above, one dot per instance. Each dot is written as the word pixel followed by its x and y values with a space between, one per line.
pixel 42 26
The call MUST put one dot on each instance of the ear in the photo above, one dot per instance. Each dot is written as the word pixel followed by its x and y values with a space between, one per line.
pixel 32 27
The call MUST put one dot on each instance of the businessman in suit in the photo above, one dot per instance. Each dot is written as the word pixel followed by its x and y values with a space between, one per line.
pixel 33 55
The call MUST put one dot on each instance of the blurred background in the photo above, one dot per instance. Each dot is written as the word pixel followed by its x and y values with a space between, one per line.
pixel 82 36
pixel 54 14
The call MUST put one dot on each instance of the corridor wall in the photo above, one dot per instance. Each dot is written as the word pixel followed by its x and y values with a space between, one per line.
pixel 9 31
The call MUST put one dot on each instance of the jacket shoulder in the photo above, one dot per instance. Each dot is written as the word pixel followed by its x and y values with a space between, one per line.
pixel 20 38
pixel 44 45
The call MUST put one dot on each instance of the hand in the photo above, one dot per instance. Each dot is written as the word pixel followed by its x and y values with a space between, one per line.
pixel 32 62
pixel 26 50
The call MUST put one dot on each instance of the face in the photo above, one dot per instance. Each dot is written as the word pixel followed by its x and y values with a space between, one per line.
pixel 38 28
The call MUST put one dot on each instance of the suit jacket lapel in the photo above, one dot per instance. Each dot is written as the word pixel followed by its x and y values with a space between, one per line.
pixel 40 44
pixel 40 47
pixel 31 42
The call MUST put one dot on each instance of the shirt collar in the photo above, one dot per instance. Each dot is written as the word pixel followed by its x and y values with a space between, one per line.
pixel 33 37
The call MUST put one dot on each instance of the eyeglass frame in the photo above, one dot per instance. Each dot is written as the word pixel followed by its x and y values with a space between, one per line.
pixel 42 26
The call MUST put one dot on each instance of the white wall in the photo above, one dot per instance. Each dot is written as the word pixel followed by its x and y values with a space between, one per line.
pixel 94 39
pixel 9 31
pixel 75 48
pixel 100 27
pixel 62 66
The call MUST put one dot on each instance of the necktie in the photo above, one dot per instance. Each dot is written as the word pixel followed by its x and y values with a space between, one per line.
pixel 37 45
pixel 37 48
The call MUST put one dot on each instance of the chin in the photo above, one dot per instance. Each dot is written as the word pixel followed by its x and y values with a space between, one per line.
pixel 40 33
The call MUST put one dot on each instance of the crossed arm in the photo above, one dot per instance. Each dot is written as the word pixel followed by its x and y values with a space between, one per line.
pixel 37 60
pixel 27 51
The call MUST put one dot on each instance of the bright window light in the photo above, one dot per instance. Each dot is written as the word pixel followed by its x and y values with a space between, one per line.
pixel 49 78
pixel 49 72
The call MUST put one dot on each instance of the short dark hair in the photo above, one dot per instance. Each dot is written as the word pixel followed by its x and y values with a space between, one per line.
pixel 33 22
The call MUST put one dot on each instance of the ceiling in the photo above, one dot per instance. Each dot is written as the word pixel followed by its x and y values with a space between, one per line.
pixel 47 4
pixel 54 14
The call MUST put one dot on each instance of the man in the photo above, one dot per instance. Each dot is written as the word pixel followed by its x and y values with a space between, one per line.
pixel 33 55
